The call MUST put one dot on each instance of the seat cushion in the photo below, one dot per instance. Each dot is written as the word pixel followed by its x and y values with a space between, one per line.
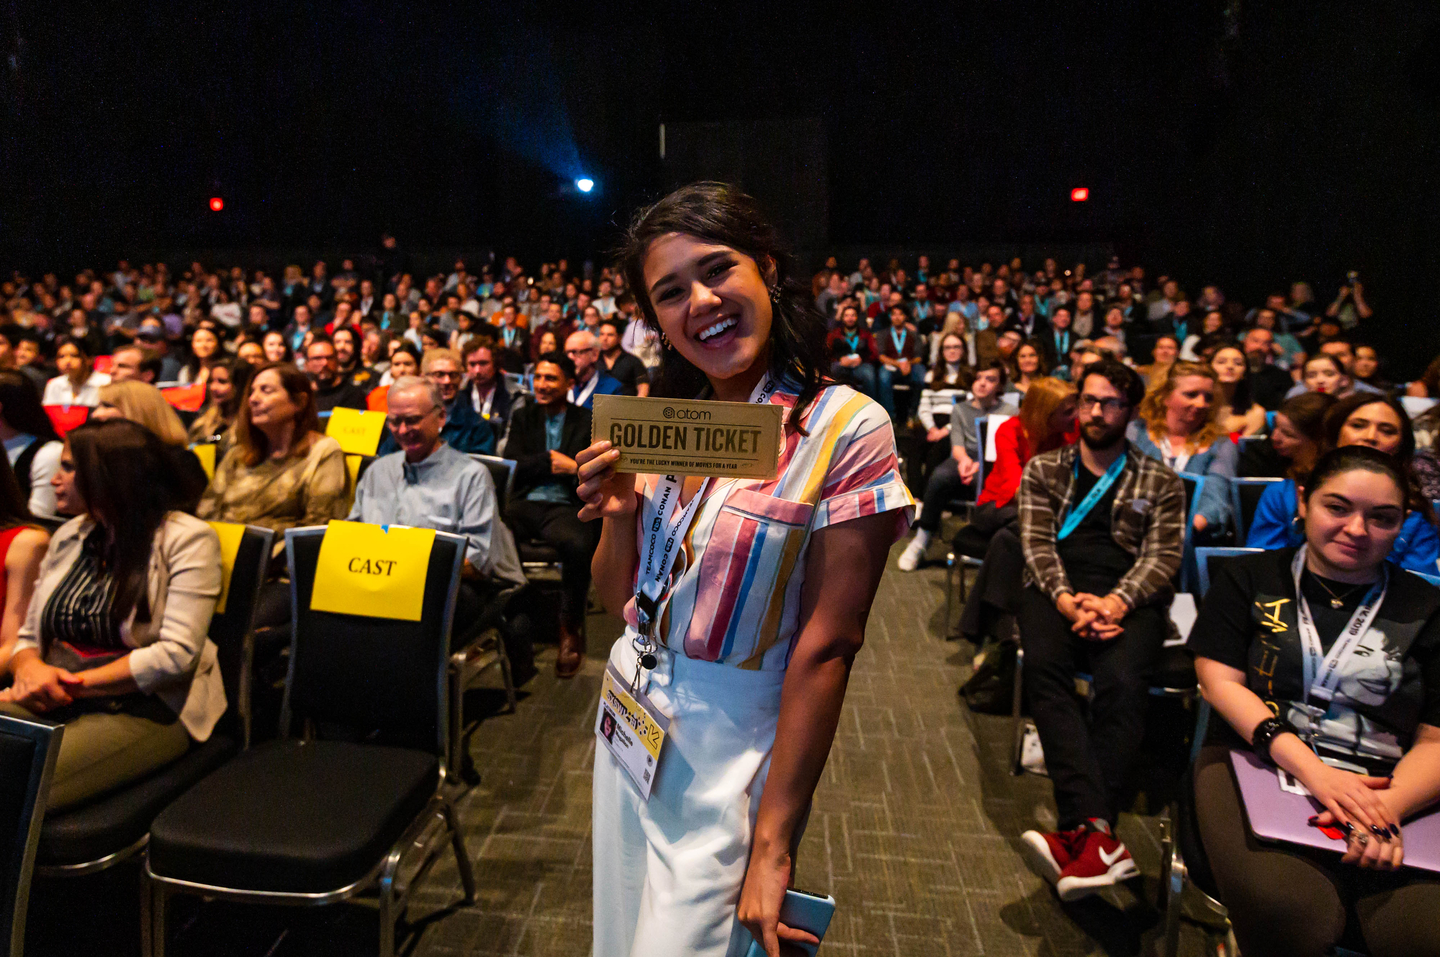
pixel 540 552
pixel 295 817
pixel 117 820
pixel 1176 668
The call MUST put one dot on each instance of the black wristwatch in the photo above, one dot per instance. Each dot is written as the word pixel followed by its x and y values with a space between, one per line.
pixel 1265 734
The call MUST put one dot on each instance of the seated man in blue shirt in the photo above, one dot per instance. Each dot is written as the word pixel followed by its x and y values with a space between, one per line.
pixel 428 484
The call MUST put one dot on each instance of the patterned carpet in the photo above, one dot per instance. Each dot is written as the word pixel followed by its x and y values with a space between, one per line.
pixel 914 831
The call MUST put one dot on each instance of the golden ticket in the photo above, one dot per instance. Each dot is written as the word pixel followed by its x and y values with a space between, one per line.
pixel 690 436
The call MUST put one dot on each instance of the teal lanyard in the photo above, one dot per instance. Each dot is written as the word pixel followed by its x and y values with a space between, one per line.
pixel 899 343
pixel 854 340
pixel 1097 492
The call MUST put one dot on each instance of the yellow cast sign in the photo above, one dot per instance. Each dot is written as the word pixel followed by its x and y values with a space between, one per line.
pixel 371 571
pixel 357 431
pixel 230 535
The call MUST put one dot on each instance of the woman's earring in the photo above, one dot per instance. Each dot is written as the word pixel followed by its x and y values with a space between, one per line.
pixel 775 293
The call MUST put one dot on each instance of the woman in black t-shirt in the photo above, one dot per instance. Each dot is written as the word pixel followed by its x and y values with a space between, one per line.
pixel 1337 683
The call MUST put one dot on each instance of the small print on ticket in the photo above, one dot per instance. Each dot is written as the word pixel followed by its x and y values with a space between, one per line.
pixel 690 437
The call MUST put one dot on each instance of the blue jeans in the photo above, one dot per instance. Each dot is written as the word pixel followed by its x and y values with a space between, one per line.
pixel 862 377
pixel 888 377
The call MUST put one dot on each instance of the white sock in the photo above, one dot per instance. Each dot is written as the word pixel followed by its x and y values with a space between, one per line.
pixel 922 538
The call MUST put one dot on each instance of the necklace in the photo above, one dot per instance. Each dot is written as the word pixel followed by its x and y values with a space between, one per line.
pixel 1337 601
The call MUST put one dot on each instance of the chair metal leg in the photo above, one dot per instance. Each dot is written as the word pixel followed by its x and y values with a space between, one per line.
pixel 1017 720
pixel 457 706
pixel 1173 880
pixel 505 674
pixel 153 901
pixel 387 912
pixel 462 856
pixel 950 590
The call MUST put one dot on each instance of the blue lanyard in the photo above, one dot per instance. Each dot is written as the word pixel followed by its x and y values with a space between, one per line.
pixel 1097 492
pixel 899 343
pixel 1062 346
pixel 854 339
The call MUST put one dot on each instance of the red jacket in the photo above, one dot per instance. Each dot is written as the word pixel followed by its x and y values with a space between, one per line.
pixel 1012 451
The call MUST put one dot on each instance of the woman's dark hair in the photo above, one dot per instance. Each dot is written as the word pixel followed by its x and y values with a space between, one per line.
pixel 1324 357
pixel 1307 413
pixel 79 345
pixel 192 361
pixel 240 374
pixel 723 214
pixel 994 365
pixel 1351 458
pixel 1344 408
pixel 1341 411
pixel 127 480
pixel 14 501
pixel 20 406
pixel 936 378
pixel 284 342
pixel 1244 395
pixel 408 347
pixel 1039 348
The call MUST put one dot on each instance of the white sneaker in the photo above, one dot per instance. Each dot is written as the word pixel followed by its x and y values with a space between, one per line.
pixel 910 557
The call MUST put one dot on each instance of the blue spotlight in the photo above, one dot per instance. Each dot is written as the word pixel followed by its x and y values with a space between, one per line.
pixel 584 184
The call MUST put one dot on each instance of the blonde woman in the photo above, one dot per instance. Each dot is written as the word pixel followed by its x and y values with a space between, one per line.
pixel 142 403
pixel 1180 425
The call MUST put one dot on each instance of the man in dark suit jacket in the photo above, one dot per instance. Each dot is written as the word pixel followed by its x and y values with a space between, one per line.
pixel 545 436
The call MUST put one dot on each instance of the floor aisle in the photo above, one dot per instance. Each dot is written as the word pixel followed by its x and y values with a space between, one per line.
pixel 914 830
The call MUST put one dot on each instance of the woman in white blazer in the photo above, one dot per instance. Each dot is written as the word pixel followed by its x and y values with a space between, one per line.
pixel 114 643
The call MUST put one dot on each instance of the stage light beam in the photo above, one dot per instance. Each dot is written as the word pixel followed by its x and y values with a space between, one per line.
pixel 584 184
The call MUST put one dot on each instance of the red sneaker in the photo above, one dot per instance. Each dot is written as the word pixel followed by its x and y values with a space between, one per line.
pixel 1101 862
pixel 1049 852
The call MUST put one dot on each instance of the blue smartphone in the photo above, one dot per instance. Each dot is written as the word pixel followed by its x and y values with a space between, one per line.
pixel 805 911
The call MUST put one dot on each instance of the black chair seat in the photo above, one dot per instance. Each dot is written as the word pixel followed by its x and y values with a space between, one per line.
pixel 538 552
pixel 1176 668
pixel 971 542
pixel 298 817
pixel 118 820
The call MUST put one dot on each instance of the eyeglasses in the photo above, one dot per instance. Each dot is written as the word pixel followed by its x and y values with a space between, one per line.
pixel 408 421
pixel 1106 405
pixel 439 374
pixel 581 352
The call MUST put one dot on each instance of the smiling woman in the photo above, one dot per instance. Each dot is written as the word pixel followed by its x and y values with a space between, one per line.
pixel 1308 654
pixel 751 605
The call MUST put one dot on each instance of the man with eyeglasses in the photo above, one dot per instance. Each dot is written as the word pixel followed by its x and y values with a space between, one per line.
pixel 464 429
pixel 332 390
pixel 591 379
pixel 1102 527
pixel 429 484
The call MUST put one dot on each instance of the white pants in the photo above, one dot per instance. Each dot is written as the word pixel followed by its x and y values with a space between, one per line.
pixel 668 872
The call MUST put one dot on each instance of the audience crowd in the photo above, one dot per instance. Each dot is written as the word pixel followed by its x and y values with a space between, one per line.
pixel 1056 408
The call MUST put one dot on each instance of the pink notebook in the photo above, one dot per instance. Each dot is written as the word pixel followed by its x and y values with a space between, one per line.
pixel 1278 815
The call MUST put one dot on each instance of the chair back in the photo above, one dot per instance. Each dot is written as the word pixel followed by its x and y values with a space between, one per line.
pixel 1194 485
pixel 233 630
pixel 372 674
pixel 502 471
pixel 1244 443
pixel 1207 561
pixel 1245 499
pixel 28 747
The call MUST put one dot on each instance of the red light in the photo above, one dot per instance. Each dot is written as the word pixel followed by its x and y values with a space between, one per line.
pixel 1079 194
pixel 216 204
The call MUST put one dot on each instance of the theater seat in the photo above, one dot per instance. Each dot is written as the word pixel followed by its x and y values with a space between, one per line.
pixel 92 832
pixel 1176 671
pixel 276 836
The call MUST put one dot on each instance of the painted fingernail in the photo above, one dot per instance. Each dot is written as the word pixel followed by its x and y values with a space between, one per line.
pixel 1379 831
pixel 1395 830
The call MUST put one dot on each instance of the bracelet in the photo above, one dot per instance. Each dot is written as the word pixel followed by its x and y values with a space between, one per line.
pixel 1264 735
